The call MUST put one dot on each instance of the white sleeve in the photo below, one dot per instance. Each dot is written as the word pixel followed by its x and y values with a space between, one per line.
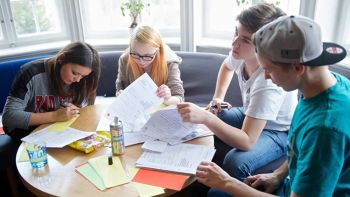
pixel 266 99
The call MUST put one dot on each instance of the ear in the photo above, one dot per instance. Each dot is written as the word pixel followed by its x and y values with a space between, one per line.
pixel 60 58
pixel 299 69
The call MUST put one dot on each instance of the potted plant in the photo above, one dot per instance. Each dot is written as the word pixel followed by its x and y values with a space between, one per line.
pixel 134 7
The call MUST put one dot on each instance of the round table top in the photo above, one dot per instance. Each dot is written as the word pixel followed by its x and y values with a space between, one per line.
pixel 59 177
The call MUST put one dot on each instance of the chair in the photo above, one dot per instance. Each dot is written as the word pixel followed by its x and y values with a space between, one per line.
pixel 6 165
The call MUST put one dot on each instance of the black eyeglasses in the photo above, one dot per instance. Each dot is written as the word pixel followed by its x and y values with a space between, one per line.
pixel 143 57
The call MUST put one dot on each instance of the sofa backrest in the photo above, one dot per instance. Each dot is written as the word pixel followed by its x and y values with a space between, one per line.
pixel 109 71
pixel 198 72
pixel 8 70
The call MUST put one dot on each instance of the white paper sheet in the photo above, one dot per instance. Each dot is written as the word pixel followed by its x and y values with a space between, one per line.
pixel 194 134
pixel 182 158
pixel 131 138
pixel 154 145
pixel 103 124
pixel 167 125
pixel 135 103
pixel 54 139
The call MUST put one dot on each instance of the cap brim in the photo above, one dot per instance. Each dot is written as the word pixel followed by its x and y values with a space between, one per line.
pixel 332 53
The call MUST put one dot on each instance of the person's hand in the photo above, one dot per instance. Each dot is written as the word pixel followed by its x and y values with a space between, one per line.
pixel 118 93
pixel 192 113
pixel 217 103
pixel 212 175
pixel 164 92
pixel 264 182
pixel 66 112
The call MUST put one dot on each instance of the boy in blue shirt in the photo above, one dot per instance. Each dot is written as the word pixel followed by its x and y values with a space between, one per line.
pixel 293 56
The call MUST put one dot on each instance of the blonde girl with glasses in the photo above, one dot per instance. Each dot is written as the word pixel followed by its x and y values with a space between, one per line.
pixel 148 54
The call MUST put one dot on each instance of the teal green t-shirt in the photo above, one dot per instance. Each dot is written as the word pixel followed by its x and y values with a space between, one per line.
pixel 319 143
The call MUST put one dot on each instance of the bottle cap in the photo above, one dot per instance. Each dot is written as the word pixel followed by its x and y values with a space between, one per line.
pixel 110 160
pixel 116 119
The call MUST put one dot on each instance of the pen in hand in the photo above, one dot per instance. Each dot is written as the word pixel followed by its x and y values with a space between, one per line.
pixel 65 104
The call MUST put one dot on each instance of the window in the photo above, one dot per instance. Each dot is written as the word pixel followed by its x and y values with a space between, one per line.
pixel 335 24
pixel 205 25
pixel 103 19
pixel 33 21
pixel 220 16
pixel 169 26
pixel 1 36
pixel 346 33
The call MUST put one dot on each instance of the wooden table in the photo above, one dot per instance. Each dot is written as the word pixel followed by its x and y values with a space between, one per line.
pixel 59 178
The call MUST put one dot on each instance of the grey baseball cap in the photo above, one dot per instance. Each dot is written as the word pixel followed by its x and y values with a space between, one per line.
pixel 296 39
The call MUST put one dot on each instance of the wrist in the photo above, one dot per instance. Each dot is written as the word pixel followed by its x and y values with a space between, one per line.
pixel 209 118
pixel 53 116
pixel 279 174
pixel 230 184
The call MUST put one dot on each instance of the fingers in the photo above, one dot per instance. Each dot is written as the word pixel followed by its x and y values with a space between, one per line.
pixel 217 105
pixel 119 92
pixel 182 106
pixel 250 179
pixel 202 170
pixel 257 183
pixel 214 110
pixel 229 106
pixel 163 91
pixel 71 109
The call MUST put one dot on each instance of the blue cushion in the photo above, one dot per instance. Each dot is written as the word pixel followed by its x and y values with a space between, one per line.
pixel 8 72
pixel 6 146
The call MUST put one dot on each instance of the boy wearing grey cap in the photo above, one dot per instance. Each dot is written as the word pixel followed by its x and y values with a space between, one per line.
pixel 293 56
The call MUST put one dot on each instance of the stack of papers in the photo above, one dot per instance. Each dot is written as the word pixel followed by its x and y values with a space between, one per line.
pixel 138 107
pixel 56 139
pixel 134 105
pixel 145 190
pixel 167 125
pixel 183 158
pixel 101 174
pixel 161 179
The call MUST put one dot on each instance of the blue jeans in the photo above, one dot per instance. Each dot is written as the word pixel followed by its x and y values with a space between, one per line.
pixel 270 146
pixel 280 191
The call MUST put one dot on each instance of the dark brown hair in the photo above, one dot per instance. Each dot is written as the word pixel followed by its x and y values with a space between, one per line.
pixel 77 53
pixel 258 15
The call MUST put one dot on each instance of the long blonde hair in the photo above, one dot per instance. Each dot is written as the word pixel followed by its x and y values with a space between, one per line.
pixel 150 37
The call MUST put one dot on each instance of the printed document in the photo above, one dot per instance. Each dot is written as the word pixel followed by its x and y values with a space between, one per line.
pixel 167 125
pixel 183 158
pixel 56 139
pixel 135 103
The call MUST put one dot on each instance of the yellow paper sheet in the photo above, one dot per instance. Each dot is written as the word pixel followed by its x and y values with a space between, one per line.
pixel 112 175
pixel 61 126
pixel 23 156
pixel 90 174
pixel 143 189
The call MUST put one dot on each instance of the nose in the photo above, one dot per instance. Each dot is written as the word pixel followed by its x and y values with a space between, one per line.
pixel 77 78
pixel 235 43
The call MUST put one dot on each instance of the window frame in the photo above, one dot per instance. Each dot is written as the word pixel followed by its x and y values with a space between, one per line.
pixel 13 40
pixel 193 33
